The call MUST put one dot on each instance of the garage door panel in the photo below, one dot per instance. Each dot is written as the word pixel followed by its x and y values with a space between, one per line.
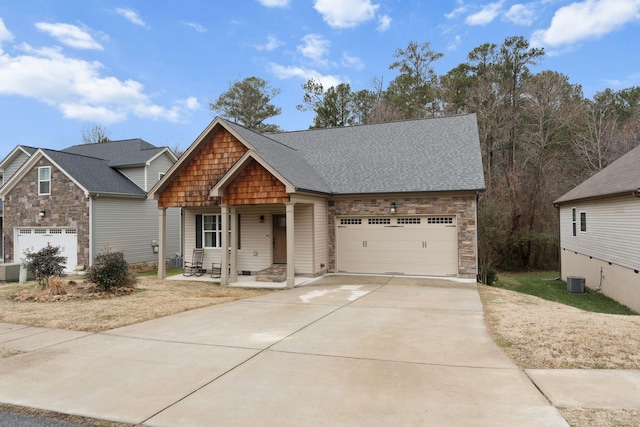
pixel 416 246
pixel 34 239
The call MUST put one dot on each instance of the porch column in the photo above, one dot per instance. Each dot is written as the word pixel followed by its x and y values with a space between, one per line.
pixel 291 258
pixel 233 275
pixel 162 237
pixel 224 246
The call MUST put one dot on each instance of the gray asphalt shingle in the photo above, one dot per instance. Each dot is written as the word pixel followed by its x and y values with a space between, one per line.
pixel 95 175
pixel 122 153
pixel 621 176
pixel 438 154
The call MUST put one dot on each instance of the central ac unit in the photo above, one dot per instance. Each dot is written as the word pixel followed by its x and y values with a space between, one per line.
pixel 575 284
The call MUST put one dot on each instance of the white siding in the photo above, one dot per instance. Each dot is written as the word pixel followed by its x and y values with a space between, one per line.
pixel 613 230
pixel 130 225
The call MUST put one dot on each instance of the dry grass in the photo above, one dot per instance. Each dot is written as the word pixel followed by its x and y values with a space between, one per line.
pixel 77 311
pixel 540 334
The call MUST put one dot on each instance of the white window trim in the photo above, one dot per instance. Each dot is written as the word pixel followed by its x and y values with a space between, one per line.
pixel 40 180
pixel 585 221
pixel 217 232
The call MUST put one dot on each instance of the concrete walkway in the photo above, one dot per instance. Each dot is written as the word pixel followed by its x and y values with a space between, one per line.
pixel 347 350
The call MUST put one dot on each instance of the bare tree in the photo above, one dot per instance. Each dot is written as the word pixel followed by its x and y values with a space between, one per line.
pixel 95 134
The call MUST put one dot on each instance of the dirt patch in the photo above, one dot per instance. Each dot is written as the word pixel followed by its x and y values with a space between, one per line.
pixel 82 309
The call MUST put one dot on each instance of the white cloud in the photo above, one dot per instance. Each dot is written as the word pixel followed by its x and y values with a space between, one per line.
pixel 314 47
pixel 5 34
pixel 453 44
pixel 274 3
pixel 304 74
pixel 78 89
pixel 131 16
pixel 346 13
pixel 271 44
pixel 486 15
pixel 69 35
pixel 584 20
pixel 199 28
pixel 384 22
pixel 521 14
pixel 352 61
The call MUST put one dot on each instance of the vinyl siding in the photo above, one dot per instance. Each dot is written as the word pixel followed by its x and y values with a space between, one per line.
pixel 130 225
pixel 304 239
pixel 256 237
pixel 613 230
pixel 13 167
pixel 136 175
pixel 159 165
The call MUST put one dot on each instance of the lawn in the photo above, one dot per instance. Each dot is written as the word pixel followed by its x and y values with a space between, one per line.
pixel 544 285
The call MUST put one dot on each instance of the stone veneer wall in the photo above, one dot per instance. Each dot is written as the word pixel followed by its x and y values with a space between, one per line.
pixel 463 207
pixel 66 206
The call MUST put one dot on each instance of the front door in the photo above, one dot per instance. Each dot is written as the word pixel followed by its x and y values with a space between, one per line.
pixel 279 239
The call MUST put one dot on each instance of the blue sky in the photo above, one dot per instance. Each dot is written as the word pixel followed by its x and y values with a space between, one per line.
pixel 149 69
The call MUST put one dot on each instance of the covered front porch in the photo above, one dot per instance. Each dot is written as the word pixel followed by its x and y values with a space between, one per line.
pixel 247 281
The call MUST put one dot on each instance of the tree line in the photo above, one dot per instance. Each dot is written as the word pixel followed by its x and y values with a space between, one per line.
pixel 539 135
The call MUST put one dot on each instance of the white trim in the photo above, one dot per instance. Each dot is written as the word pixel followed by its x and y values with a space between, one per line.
pixel 40 181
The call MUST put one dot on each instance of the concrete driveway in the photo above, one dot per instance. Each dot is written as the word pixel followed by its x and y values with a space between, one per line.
pixel 348 350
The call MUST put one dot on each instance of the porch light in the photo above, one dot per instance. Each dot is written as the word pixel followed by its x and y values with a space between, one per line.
pixel 261 219
pixel 42 213
pixel 392 209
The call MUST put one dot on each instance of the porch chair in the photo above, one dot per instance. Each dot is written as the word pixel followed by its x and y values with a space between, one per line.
pixel 194 268
pixel 216 269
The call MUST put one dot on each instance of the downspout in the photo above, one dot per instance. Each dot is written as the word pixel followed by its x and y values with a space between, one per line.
pixel 90 260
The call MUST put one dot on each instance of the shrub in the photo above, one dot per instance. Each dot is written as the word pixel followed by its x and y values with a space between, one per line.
pixel 111 271
pixel 488 276
pixel 45 263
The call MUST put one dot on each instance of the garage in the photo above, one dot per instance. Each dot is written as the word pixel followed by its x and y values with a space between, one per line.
pixel 416 245
pixel 34 239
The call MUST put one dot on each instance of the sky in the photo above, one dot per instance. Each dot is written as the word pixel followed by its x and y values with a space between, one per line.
pixel 150 69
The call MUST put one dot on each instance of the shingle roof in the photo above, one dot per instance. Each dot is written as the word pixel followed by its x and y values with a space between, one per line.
pixel 438 154
pixel 95 175
pixel 621 176
pixel 123 153
pixel 289 162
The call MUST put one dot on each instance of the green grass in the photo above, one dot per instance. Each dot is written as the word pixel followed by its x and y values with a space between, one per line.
pixel 537 284
pixel 153 273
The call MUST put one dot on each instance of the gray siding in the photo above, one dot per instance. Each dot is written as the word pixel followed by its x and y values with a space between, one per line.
pixel 130 225
pixel 160 164
pixel 12 167
pixel 136 175
pixel 613 230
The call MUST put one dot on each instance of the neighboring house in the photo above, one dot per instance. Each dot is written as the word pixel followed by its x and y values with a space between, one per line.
pixel 85 199
pixel 388 198
pixel 600 231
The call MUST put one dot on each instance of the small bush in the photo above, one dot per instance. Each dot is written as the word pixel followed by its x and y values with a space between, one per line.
pixel 57 286
pixel 489 276
pixel 45 263
pixel 111 271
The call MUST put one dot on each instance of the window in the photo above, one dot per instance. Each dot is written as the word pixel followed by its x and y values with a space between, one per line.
pixel 573 220
pixel 212 231
pixel 44 180
pixel 583 222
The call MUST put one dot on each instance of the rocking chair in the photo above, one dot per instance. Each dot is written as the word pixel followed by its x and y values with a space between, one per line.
pixel 194 268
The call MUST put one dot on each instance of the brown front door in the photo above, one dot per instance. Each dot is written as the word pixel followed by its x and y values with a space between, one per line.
pixel 279 239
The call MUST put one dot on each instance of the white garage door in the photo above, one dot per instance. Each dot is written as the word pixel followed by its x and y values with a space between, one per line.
pixel 35 239
pixel 419 245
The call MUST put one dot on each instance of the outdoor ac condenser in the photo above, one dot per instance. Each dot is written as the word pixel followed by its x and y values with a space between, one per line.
pixel 575 284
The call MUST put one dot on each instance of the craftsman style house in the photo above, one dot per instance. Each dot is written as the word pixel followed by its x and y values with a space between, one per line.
pixel 388 198
pixel 600 231
pixel 85 199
